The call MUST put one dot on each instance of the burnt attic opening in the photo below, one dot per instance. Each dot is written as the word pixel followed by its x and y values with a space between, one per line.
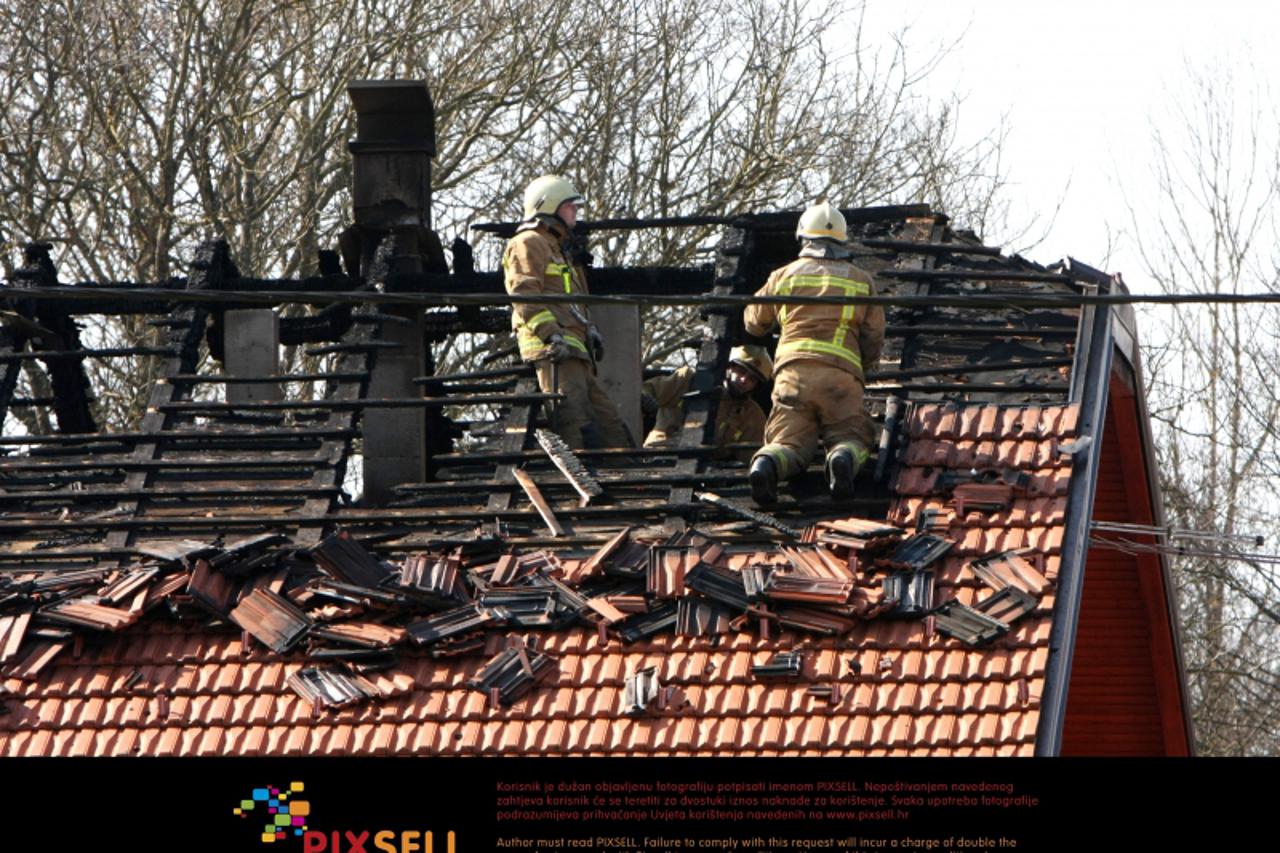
pixel 268 393
pixel 225 428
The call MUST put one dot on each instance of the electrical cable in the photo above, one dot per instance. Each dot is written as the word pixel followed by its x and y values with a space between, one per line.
pixel 976 301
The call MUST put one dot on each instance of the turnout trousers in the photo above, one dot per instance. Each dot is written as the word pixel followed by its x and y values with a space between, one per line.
pixel 587 416
pixel 815 401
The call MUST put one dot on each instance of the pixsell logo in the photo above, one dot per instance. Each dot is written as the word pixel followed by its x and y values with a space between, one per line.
pixel 287 816
pixel 283 812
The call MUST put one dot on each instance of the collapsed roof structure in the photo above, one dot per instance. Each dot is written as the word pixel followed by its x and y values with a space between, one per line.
pixel 203 585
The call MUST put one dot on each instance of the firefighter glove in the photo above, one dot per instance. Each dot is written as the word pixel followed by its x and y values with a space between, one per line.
pixel 557 349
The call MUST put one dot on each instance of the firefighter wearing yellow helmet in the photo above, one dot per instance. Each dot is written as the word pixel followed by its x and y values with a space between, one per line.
pixel 739 418
pixel 559 338
pixel 821 355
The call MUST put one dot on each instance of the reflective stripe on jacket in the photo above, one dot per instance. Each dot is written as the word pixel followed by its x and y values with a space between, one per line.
pixel 847 336
pixel 534 264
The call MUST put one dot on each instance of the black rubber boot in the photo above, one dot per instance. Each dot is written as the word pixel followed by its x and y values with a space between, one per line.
pixel 764 480
pixel 842 468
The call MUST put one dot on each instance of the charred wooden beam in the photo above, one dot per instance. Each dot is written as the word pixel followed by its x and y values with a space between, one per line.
pixel 407 519
pixel 9 370
pixel 77 354
pixel 968 367
pixel 66 376
pixel 759 221
pixel 932 248
pixel 249 494
pixel 966 274
pixel 734 256
pixel 983 331
pixel 209 267
pixel 57 466
pixel 199 436
pixel 603 454
pixel 604 281
pixel 222 379
pixel 518 427
pixel 976 388
pixel 540 503
pixel 607 480
pixel 495 373
pixel 355 404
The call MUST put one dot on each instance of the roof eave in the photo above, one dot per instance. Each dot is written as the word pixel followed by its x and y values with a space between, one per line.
pixel 1090 384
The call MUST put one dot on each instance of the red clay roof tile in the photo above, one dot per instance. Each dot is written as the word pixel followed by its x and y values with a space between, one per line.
pixel 936 697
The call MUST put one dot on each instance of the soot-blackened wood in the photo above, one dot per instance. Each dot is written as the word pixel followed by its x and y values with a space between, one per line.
pixel 734 260
pixel 519 427
pixel 66 375
pixel 357 360
pixel 211 264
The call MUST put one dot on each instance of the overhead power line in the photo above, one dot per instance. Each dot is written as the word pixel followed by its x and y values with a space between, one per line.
pixel 94 291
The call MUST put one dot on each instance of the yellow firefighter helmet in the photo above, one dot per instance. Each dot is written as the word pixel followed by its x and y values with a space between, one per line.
pixel 755 359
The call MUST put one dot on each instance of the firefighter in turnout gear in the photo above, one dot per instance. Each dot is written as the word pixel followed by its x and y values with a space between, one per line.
pixel 821 355
pixel 559 338
pixel 739 419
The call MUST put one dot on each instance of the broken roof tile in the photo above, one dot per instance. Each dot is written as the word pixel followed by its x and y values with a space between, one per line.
pixel 1007 605
pixel 721 585
pixel 966 624
pixel 439 576
pixel 780 665
pixel 212 588
pixel 916 552
pixel 85 614
pixel 513 672
pixel 1009 569
pixel 922 419
pixel 452 623
pixel 641 625
pixel 795 587
pixel 271 619
pixel 813 619
pixel 641 692
pixel 667 568
pixel 365 634
pixel 981 497
pixel 174 550
pixel 13 629
pixel 348 561
pixel 698 618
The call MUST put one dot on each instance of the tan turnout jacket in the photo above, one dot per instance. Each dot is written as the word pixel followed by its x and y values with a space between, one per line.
pixel 534 263
pixel 846 336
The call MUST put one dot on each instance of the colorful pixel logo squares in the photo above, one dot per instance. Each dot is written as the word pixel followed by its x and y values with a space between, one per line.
pixel 286 815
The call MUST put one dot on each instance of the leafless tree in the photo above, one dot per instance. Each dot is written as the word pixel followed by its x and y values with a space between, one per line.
pixel 132 130
pixel 1212 378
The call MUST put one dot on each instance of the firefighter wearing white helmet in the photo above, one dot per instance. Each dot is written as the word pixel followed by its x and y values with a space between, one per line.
pixel 821 357
pixel 739 418
pixel 559 338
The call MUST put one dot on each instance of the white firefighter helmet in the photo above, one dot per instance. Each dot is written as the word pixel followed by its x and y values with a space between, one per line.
pixel 545 195
pixel 822 221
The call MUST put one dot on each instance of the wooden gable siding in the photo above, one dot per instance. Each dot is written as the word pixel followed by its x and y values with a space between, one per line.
pixel 1125 692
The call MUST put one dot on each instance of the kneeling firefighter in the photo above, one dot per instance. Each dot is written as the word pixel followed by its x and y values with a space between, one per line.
pixel 819 363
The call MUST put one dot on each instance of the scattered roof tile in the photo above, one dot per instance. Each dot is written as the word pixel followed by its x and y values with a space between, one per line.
pixel 271 619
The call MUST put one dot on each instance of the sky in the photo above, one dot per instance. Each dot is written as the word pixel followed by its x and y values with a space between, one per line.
pixel 1079 85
